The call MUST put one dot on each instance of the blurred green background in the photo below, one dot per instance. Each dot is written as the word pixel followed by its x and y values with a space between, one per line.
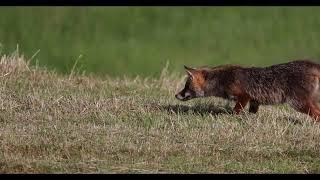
pixel 133 41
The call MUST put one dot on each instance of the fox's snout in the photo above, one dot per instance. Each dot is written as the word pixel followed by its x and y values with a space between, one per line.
pixel 178 96
pixel 183 96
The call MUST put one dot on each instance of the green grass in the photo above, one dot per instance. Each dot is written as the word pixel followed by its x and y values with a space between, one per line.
pixel 53 123
pixel 140 40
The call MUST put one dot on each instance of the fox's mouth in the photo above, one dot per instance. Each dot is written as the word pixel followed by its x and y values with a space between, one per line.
pixel 181 98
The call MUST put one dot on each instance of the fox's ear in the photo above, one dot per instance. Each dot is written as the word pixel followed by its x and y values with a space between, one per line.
pixel 189 70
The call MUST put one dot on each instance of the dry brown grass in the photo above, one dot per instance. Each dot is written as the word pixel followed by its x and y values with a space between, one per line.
pixel 50 123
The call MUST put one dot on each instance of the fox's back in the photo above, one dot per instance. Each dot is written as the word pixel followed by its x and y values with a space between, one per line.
pixel 274 84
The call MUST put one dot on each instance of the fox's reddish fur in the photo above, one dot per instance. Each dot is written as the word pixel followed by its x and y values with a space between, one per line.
pixel 295 83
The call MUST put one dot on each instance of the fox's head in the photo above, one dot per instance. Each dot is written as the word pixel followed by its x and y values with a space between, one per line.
pixel 195 85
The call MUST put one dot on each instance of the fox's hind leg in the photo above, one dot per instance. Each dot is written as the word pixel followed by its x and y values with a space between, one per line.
pixel 242 101
pixel 308 107
pixel 316 109
pixel 254 106
pixel 314 112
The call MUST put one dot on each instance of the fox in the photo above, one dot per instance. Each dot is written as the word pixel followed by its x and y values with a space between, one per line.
pixel 295 83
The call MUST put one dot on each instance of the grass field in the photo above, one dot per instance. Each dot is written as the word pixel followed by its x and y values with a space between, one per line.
pixel 141 40
pixel 53 123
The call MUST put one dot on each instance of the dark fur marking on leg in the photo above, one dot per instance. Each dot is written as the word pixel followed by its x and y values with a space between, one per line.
pixel 254 106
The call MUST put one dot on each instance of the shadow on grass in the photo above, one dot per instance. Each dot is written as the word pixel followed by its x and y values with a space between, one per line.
pixel 200 109
pixel 205 109
pixel 293 120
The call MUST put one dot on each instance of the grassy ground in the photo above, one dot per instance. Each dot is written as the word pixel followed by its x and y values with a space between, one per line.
pixel 140 40
pixel 51 123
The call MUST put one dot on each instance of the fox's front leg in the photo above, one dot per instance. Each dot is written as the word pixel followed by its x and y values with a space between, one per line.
pixel 242 101
pixel 254 106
